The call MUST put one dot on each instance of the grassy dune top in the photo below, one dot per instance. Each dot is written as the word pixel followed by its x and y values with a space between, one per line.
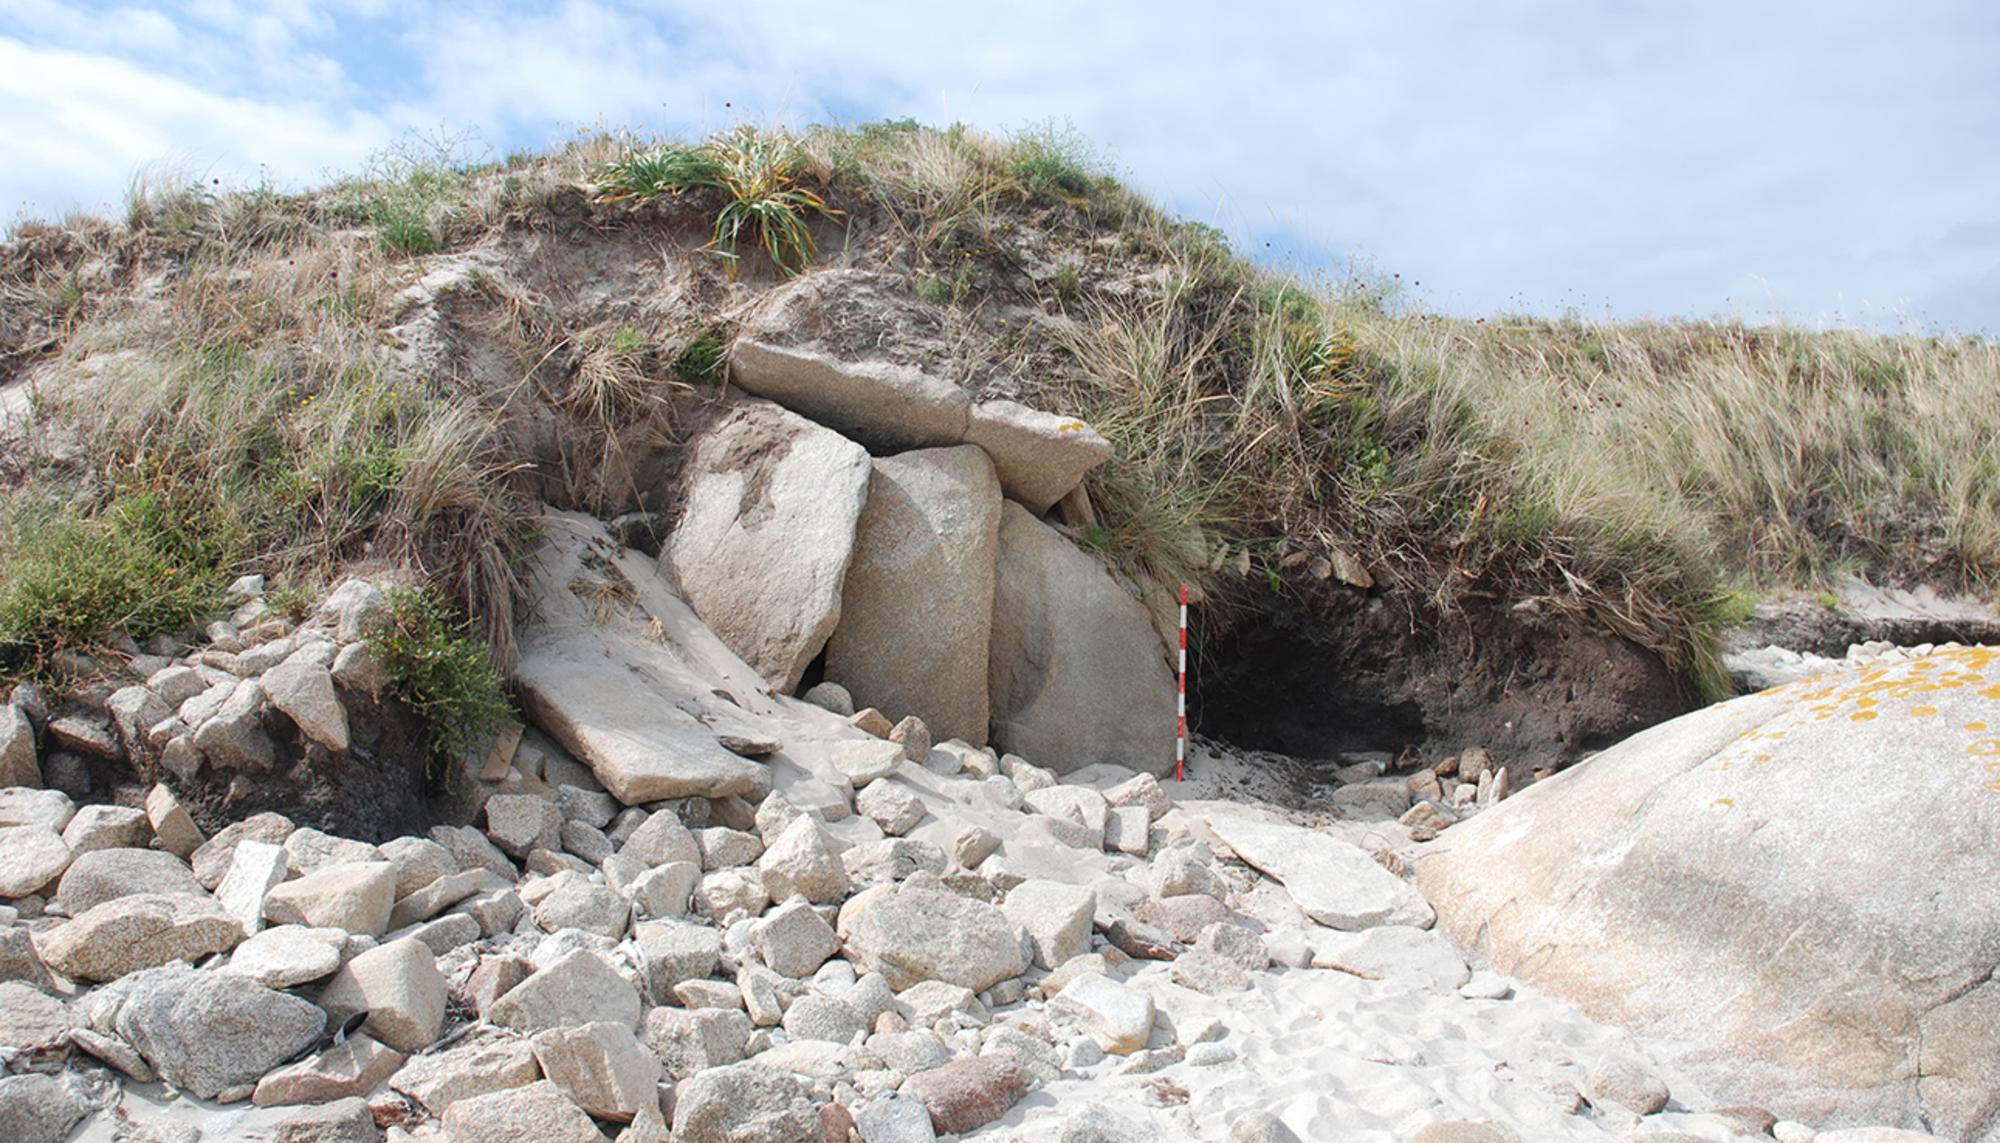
pixel 216 393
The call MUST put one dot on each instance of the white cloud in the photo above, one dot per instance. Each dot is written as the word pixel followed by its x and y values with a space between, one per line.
pixel 1690 158
pixel 82 124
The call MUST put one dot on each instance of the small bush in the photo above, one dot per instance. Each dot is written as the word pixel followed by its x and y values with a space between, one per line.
pixel 440 668
pixel 411 190
pixel 294 602
pixel 701 360
pixel 1068 285
pixel 142 566
pixel 402 224
pixel 1732 608
pixel 1058 161
pixel 166 199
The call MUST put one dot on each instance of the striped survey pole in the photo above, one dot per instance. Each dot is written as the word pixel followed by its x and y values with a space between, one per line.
pixel 1180 721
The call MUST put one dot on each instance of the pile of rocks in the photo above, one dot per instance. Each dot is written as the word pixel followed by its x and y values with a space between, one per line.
pixel 699 909
pixel 926 573
pixel 258 703
pixel 696 902
pixel 1429 801
pixel 740 971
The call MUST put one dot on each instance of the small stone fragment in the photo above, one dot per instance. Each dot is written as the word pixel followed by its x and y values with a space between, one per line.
pixel 358 897
pixel 602 1068
pixel 794 940
pixel 31 857
pixel 831 696
pixel 689 1041
pixel 893 807
pixel 871 721
pixel 286 956
pixel 139 931
pixel 399 986
pixel 802 861
pixel 974 845
pixel 578 988
pixel 106 827
pixel 914 737
pixel 967 1094
pixel 1057 918
pixel 1119 1018
pixel 537 1113
pixel 255 869
pixel 482 1064
pixel 1621 1081
pixel 344 1120
pixel 305 693
pixel 171 824
pixel 519 823
pixel 743 1103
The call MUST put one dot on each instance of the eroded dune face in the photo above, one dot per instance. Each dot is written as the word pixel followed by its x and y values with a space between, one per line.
pixel 1799 885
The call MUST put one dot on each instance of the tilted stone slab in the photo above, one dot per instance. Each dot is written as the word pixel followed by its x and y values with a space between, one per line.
pixel 1040 457
pixel 884 406
pixel 1337 883
pixel 767 533
pixel 620 672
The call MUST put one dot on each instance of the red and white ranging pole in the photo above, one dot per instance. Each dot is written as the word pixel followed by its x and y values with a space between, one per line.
pixel 1180 727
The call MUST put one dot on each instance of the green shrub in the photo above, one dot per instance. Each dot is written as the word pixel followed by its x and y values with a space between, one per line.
pixel 402 224
pixel 701 360
pixel 68 580
pixel 1057 161
pixel 440 667
pixel 294 602
pixel 1732 608
pixel 1068 284
pixel 410 191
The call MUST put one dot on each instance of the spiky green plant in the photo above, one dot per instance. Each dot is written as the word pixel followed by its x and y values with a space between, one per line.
pixel 756 173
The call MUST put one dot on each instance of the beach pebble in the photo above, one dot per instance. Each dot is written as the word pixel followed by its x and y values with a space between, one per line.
pixel 1118 1017
pixel 743 1103
pixel 893 1117
pixel 1264 1127
pixel 967 1094
pixel 1209 1055
pixel 1486 986
pixel 1465 1131
pixel 1625 1084
pixel 539 1112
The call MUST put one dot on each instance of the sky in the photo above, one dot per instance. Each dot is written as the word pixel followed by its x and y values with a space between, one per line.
pixel 1832 162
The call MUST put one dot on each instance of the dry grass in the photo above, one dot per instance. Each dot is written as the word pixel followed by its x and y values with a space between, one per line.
pixel 256 401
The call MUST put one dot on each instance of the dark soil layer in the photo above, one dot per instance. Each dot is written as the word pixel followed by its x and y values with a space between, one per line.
pixel 386 786
pixel 1344 673
pixel 1811 629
